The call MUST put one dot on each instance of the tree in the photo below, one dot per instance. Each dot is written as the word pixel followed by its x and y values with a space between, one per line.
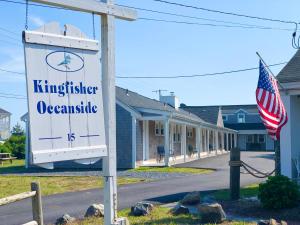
pixel 17 130
pixel 16 145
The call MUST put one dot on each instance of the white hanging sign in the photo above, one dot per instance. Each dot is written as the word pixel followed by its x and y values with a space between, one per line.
pixel 64 95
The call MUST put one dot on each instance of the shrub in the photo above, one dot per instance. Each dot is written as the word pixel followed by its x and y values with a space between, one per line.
pixel 278 192
pixel 5 148
pixel 17 145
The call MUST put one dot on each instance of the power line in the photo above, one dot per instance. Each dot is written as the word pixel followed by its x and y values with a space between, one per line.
pixel 210 24
pixel 9 42
pixel 10 36
pixel 9 31
pixel 10 94
pixel 223 12
pixel 179 76
pixel 11 97
pixel 195 17
pixel 197 75
pixel 10 71
pixel 246 26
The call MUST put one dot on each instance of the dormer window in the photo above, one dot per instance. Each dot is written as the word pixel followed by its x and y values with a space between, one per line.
pixel 241 118
pixel 225 117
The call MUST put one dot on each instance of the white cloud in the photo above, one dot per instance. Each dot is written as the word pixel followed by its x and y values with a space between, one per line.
pixel 37 21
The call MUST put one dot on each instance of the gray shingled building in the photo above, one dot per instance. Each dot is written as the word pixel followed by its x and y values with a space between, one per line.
pixel 245 119
pixel 142 125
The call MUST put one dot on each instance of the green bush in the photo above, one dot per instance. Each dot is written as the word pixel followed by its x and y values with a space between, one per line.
pixel 5 148
pixel 278 192
pixel 15 145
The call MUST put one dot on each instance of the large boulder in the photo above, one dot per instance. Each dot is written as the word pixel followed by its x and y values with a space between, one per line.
pixel 271 222
pixel 95 210
pixel 211 213
pixel 64 220
pixel 141 209
pixel 180 209
pixel 192 198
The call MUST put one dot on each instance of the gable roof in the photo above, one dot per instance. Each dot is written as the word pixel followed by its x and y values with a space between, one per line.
pixel 209 114
pixel 230 109
pixel 2 111
pixel 291 71
pixel 138 102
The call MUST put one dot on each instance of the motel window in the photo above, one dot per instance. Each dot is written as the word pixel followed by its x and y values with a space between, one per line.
pixel 250 139
pixel 241 118
pixel 261 138
pixel 159 128
pixel 189 132
pixel 177 134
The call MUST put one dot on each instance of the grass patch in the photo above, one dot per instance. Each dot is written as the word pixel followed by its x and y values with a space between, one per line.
pixel 159 216
pixel 172 170
pixel 10 185
pixel 246 192
pixel 18 165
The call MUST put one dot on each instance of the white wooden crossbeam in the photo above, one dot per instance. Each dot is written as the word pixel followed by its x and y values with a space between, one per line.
pixel 93 6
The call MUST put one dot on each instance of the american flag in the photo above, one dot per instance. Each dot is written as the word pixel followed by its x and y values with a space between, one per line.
pixel 269 103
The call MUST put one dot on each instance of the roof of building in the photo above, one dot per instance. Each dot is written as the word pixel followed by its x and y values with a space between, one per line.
pixel 137 101
pixel 245 126
pixel 291 71
pixel 209 114
pixel 228 109
pixel 2 111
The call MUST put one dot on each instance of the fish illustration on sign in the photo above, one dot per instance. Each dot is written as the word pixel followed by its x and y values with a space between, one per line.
pixel 66 62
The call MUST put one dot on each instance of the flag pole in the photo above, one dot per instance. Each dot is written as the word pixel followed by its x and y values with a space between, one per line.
pixel 277 142
pixel 266 65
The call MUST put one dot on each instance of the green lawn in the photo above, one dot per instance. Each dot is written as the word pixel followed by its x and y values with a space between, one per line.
pixel 18 165
pixel 172 170
pixel 10 185
pixel 248 191
pixel 159 216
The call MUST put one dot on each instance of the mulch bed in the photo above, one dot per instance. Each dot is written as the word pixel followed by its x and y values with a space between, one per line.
pixel 253 209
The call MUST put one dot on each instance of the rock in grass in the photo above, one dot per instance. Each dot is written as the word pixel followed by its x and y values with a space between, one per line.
pixel 141 209
pixel 263 222
pixel 282 222
pixel 192 198
pixel 271 222
pixel 64 220
pixel 211 213
pixel 95 210
pixel 180 209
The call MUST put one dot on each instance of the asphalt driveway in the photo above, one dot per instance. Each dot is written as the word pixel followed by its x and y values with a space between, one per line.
pixel 167 190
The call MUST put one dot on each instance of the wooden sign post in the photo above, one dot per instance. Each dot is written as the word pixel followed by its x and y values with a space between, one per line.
pixel 108 11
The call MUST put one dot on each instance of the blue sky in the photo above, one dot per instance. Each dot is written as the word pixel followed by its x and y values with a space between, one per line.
pixel 147 48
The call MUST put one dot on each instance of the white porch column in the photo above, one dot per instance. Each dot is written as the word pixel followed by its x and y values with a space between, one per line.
pixel 198 140
pixel 223 142
pixel 227 142
pixel 217 141
pixel 183 141
pixel 145 140
pixel 172 127
pixel 207 140
pixel 133 142
pixel 167 141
